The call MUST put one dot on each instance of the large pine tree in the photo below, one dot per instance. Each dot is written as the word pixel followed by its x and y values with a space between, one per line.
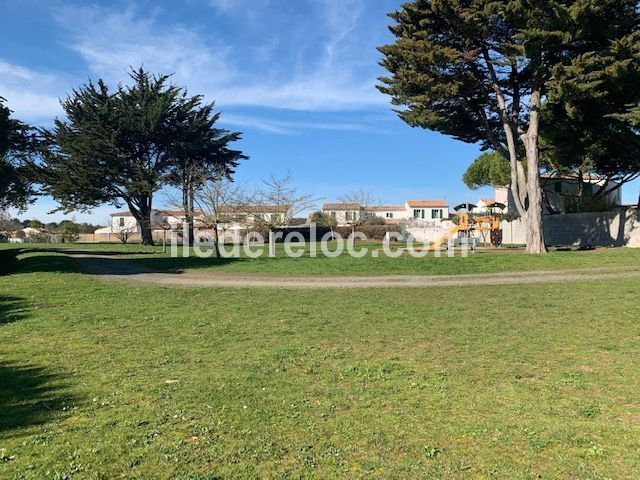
pixel 114 147
pixel 202 153
pixel 18 149
pixel 480 70
pixel 125 145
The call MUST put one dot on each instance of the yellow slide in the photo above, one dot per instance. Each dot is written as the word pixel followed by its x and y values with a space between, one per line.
pixel 438 243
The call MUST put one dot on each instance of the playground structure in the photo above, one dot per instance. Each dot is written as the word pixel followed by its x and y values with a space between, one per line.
pixel 468 223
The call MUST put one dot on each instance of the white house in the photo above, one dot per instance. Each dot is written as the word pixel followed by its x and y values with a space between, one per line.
pixel 256 214
pixel 434 210
pixel 126 222
pixel 388 212
pixel 345 213
pixel 28 235
pixel 350 213
pixel 560 190
pixel 481 206
pixel 238 219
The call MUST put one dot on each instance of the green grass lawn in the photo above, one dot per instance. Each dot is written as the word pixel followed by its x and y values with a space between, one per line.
pixel 482 262
pixel 102 380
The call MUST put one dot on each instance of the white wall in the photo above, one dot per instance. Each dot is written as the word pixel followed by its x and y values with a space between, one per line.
pixel 341 216
pixel 397 214
pixel 428 213
pixel 557 200
pixel 130 223
pixel 613 228
pixel 430 231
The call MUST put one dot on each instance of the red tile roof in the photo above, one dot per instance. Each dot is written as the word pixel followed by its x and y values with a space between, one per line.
pixel 251 209
pixel 341 206
pixel 427 203
pixel 178 213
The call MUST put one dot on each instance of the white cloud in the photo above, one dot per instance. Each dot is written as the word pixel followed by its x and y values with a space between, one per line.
pixel 246 8
pixel 31 94
pixel 225 5
pixel 341 18
pixel 111 41
pixel 286 127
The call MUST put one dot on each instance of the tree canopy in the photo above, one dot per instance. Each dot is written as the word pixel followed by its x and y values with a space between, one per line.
pixel 18 146
pixel 124 145
pixel 202 154
pixel 479 72
pixel 489 169
pixel 588 121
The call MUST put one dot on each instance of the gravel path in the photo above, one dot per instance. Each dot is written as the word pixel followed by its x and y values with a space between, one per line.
pixel 120 270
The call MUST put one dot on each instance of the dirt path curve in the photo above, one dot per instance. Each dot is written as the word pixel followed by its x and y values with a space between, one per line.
pixel 119 270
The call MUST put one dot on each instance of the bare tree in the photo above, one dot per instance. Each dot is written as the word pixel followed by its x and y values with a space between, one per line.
pixel 124 234
pixel 283 198
pixel 363 197
pixel 7 224
pixel 325 219
pixel 166 226
pixel 221 201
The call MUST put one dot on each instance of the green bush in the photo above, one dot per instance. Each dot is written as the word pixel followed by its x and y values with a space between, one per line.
pixel 372 232
pixel 588 203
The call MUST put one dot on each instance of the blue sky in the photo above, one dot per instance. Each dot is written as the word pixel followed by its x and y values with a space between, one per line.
pixel 296 77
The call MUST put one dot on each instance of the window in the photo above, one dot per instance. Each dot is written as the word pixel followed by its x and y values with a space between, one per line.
pixel 389 215
pixel 557 187
pixel 436 213
pixel 121 221
pixel 333 214
pixel 347 216
pixel 418 213
pixel 588 189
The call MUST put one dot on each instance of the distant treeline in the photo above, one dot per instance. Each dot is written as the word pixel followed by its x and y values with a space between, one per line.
pixel 13 224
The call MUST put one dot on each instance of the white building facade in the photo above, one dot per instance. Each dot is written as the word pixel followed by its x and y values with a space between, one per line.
pixel 560 191
pixel 353 213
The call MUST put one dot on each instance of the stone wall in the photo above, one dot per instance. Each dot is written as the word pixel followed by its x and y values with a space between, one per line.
pixel 598 229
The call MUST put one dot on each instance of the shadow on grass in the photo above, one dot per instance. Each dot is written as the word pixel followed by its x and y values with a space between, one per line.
pixel 105 265
pixel 12 261
pixel 179 264
pixel 12 309
pixel 54 260
pixel 107 253
pixel 30 395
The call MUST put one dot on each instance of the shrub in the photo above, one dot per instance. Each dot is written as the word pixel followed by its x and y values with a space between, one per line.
pixel 373 220
pixel 40 237
pixel 372 232
pixel 588 203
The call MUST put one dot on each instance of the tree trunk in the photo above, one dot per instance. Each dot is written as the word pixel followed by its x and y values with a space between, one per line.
pixel 187 205
pixel 192 212
pixel 216 240
pixel 533 220
pixel 145 226
pixel 525 187
pixel 143 216
pixel 580 190
pixel 535 235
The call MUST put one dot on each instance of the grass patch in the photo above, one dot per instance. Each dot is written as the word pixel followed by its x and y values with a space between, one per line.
pixel 482 262
pixel 104 380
